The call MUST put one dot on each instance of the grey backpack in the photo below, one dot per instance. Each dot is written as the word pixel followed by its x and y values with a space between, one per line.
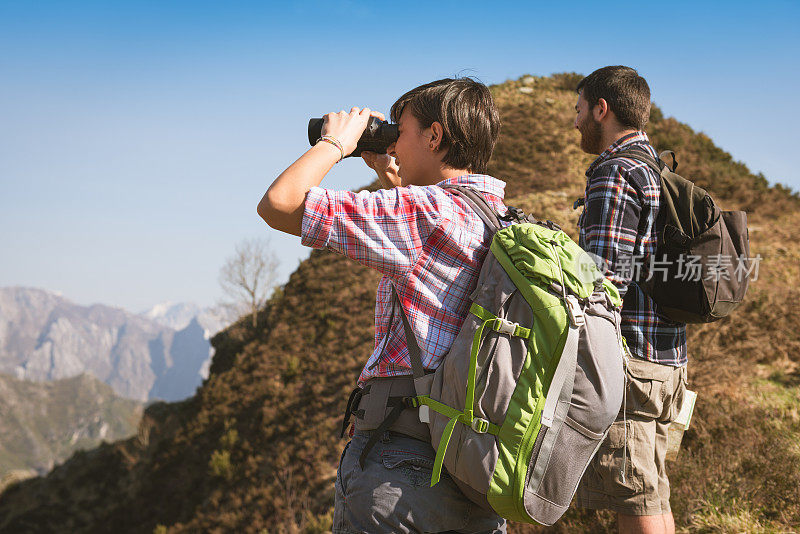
pixel 528 391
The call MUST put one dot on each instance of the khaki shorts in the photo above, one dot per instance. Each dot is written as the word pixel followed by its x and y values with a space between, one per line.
pixel 654 397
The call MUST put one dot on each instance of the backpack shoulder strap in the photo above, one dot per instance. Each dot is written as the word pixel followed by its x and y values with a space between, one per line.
pixel 414 351
pixel 422 380
pixel 478 203
pixel 642 155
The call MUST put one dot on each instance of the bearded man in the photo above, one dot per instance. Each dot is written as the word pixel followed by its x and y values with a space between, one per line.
pixel 618 228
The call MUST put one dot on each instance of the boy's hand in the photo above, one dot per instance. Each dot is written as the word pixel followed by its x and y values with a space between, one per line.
pixel 347 128
pixel 383 164
pixel 385 167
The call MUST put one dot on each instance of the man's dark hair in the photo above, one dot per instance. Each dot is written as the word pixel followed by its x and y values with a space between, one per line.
pixel 465 109
pixel 626 93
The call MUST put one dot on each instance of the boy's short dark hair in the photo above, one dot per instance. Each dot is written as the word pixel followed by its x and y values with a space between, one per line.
pixel 627 94
pixel 465 109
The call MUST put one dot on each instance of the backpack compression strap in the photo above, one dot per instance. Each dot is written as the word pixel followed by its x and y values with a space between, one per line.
pixel 562 383
pixel 467 415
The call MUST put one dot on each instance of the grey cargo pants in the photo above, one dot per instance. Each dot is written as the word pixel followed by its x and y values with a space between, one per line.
pixel 392 494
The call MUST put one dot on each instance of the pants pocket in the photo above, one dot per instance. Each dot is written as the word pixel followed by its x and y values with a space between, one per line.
pixel 614 460
pixel 645 385
pixel 676 396
pixel 416 468
pixel 342 473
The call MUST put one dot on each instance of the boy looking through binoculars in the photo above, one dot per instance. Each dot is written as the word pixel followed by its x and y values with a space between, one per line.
pixel 429 246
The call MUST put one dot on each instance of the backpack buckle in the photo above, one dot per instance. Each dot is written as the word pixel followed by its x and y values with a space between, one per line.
pixel 574 311
pixel 424 413
pixel 481 426
pixel 505 326
pixel 512 213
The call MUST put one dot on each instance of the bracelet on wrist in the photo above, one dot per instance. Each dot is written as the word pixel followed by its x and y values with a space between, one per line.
pixel 335 142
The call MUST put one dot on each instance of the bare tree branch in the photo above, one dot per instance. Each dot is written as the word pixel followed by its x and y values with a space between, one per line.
pixel 248 277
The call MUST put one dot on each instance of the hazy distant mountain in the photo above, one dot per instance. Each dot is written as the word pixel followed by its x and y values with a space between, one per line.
pixel 42 424
pixel 178 316
pixel 44 336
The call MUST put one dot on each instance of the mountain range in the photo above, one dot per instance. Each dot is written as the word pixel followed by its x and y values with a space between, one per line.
pixel 163 353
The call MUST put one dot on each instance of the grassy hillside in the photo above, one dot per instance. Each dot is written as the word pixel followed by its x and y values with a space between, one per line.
pixel 256 449
pixel 42 423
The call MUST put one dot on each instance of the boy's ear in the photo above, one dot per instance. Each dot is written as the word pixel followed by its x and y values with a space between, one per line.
pixel 436 135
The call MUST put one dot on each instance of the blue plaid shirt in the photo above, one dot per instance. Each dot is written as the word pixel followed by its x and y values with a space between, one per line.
pixel 618 227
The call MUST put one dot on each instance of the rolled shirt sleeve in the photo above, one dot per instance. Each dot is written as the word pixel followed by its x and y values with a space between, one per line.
pixel 385 230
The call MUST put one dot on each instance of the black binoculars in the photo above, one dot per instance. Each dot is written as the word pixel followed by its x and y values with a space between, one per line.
pixel 376 138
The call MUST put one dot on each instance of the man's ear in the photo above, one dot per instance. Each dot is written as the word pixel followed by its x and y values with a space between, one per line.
pixel 436 135
pixel 600 110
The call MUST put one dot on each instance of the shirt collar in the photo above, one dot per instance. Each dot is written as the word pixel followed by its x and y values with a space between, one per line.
pixel 482 182
pixel 634 137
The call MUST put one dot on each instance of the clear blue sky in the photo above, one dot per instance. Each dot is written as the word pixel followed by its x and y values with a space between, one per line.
pixel 137 138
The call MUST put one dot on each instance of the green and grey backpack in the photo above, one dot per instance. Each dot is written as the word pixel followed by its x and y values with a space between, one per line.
pixel 528 391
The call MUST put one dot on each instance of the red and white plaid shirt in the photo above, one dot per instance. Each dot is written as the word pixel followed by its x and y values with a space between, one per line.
pixel 426 241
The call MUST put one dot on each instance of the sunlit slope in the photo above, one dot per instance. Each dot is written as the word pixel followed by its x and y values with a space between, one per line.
pixel 256 449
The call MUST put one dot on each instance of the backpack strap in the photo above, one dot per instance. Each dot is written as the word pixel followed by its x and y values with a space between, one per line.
pixel 656 164
pixel 560 391
pixel 481 206
pixel 397 404
pixel 422 380
pixel 478 203
pixel 414 351
pixel 643 156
